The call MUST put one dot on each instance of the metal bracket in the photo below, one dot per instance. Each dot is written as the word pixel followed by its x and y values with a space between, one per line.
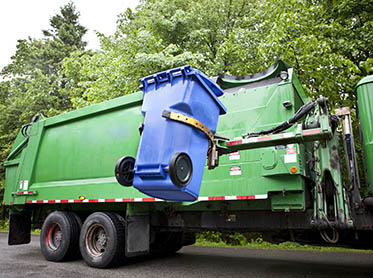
pixel 24 193
pixel 189 121
pixel 213 156
pixel 351 161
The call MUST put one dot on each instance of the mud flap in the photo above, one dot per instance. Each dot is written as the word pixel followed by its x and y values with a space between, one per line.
pixel 19 228
pixel 137 235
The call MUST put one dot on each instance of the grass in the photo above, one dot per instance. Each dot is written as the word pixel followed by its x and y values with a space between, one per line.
pixel 4 228
pixel 281 246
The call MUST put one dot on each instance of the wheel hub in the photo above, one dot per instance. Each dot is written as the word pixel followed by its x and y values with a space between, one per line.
pixel 96 240
pixel 54 236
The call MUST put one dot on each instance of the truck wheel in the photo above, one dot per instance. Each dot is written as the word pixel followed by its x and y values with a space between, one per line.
pixel 59 237
pixel 124 170
pixel 181 169
pixel 102 240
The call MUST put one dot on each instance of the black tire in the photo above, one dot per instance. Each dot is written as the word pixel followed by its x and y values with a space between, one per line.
pixel 59 239
pixel 79 223
pixel 181 169
pixel 78 220
pixel 124 170
pixel 102 242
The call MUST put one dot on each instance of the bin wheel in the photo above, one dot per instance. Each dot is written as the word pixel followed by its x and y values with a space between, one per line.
pixel 60 236
pixel 181 169
pixel 102 240
pixel 124 170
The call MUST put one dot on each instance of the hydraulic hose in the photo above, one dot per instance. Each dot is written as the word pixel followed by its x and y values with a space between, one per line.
pixel 327 239
pixel 304 110
pixel 24 130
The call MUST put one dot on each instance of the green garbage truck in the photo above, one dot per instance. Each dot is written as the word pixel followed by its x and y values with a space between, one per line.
pixel 115 180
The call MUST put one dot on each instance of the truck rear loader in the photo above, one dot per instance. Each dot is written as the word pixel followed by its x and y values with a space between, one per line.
pixel 129 176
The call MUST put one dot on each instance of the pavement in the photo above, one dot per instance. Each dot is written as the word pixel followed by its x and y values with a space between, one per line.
pixel 192 261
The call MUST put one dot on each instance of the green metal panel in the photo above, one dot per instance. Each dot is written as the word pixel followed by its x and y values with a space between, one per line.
pixel 10 182
pixel 73 155
pixel 364 91
pixel 260 171
pixel 286 201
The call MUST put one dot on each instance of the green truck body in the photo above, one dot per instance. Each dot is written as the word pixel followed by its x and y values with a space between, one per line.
pixel 70 157
pixel 290 181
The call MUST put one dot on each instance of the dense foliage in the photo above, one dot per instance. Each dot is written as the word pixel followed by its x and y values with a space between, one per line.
pixel 33 82
pixel 327 41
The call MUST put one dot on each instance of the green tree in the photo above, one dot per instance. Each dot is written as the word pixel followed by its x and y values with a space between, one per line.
pixel 32 82
pixel 327 43
pixel 46 54
pixel 159 35
pixel 355 36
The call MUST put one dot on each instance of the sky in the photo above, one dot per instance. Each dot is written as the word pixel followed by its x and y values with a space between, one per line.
pixel 20 19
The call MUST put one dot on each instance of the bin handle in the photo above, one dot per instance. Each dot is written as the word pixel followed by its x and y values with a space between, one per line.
pixel 164 76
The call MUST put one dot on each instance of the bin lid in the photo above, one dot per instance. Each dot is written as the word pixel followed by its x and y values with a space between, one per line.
pixel 169 75
pixel 365 80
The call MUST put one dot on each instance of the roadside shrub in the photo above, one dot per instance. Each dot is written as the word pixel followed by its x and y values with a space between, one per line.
pixel 230 238
pixel 4 225
pixel 209 236
pixel 235 239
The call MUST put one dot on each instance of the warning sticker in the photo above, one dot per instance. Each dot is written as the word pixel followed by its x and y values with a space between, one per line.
pixel 25 185
pixel 290 158
pixel 291 150
pixel 235 171
pixel 235 156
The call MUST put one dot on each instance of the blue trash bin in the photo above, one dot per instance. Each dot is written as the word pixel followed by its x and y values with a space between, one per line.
pixel 171 155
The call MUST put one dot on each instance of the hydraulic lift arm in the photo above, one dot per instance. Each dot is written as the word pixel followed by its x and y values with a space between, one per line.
pixel 331 209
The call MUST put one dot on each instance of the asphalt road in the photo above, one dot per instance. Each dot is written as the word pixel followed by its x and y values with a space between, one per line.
pixel 192 261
